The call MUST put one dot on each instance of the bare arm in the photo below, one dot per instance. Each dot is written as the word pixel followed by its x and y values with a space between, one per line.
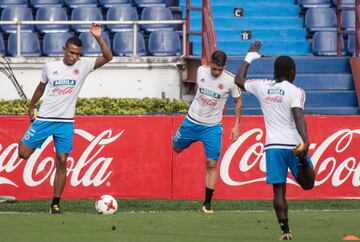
pixel 252 54
pixel 39 91
pixel 234 135
pixel 301 127
pixel 107 56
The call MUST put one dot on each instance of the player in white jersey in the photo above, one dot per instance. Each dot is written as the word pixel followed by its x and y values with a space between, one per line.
pixel 282 104
pixel 203 121
pixel 61 81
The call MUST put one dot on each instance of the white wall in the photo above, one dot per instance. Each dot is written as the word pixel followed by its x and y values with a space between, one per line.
pixel 123 77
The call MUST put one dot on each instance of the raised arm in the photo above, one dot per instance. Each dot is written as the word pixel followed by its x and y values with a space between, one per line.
pixel 252 54
pixel 107 56
pixel 39 91
pixel 301 128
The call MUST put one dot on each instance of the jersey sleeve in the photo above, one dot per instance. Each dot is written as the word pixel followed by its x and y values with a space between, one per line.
pixel 44 77
pixel 253 86
pixel 199 74
pixel 298 98
pixel 235 91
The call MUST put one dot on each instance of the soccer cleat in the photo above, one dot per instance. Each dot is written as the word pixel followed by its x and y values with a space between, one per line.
pixel 55 209
pixel 207 208
pixel 285 235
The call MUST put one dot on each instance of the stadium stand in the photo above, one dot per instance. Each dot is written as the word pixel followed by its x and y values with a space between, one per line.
pixel 314 3
pixel 30 44
pixel 164 43
pixel 325 43
pixel 85 13
pixel 51 13
pixel 53 43
pixel 149 3
pixel 351 44
pixel 80 3
pixel 113 3
pixel 123 13
pixel 46 3
pixel 156 13
pixel 2 45
pixel 10 3
pixel 123 44
pixel 16 13
pixel 320 19
pixel 90 45
pixel 348 20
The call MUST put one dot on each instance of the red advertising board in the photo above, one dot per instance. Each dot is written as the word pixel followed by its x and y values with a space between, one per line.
pixel 131 157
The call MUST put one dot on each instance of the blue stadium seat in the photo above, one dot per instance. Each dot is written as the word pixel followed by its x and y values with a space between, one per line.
pixel 51 13
pixel 53 43
pixel 16 13
pixel 30 44
pixel 87 13
pixel 45 3
pixel 314 3
pixel 80 3
pixel 325 43
pixel 320 19
pixel 149 3
pixel 2 45
pixel 123 44
pixel 122 13
pixel 164 43
pixel 113 3
pixel 351 44
pixel 90 45
pixel 9 3
pixel 345 3
pixel 348 20
pixel 154 14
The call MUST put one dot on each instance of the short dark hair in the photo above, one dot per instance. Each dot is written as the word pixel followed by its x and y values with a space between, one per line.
pixel 284 68
pixel 74 41
pixel 218 57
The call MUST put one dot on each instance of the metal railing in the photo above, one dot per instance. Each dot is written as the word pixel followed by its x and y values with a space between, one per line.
pixel 134 23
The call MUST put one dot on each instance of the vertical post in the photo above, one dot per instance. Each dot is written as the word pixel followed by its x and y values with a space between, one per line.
pixel 135 34
pixel 18 39
pixel 338 16
pixel 357 19
pixel 187 39
pixel 203 34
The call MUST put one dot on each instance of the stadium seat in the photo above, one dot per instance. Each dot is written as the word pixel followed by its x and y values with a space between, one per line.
pixel 51 13
pixel 30 44
pixel 45 3
pixel 113 3
pixel 345 3
pixel 90 45
pixel 155 14
pixel 2 45
pixel 123 44
pixel 320 19
pixel 10 3
pixel 53 43
pixel 87 13
pixel 16 13
pixel 325 43
pixel 314 3
pixel 150 3
pixel 121 13
pixel 80 3
pixel 164 43
pixel 348 20
pixel 351 44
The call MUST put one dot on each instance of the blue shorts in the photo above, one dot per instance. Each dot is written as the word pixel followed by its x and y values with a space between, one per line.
pixel 190 132
pixel 277 163
pixel 39 131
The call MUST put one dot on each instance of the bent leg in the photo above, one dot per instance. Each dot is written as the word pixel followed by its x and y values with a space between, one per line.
pixel 306 177
pixel 24 151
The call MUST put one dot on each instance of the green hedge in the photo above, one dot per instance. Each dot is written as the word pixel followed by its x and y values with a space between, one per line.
pixel 107 106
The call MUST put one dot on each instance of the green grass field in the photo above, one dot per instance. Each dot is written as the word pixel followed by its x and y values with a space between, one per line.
pixel 168 220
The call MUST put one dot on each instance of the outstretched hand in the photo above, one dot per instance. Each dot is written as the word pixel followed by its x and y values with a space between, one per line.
pixel 95 29
pixel 255 47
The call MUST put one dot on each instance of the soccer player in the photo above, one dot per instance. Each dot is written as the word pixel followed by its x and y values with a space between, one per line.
pixel 282 104
pixel 61 81
pixel 203 120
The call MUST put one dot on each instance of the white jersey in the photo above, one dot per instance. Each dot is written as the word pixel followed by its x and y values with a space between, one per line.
pixel 63 86
pixel 211 96
pixel 276 100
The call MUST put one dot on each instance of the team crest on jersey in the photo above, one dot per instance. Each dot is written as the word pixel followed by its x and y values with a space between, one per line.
pixel 76 71
pixel 221 86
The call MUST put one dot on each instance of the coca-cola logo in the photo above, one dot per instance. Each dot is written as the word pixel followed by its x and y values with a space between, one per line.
pixel 63 91
pixel 91 168
pixel 328 166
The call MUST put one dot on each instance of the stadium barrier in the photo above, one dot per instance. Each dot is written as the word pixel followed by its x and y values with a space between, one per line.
pixel 132 157
pixel 134 23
